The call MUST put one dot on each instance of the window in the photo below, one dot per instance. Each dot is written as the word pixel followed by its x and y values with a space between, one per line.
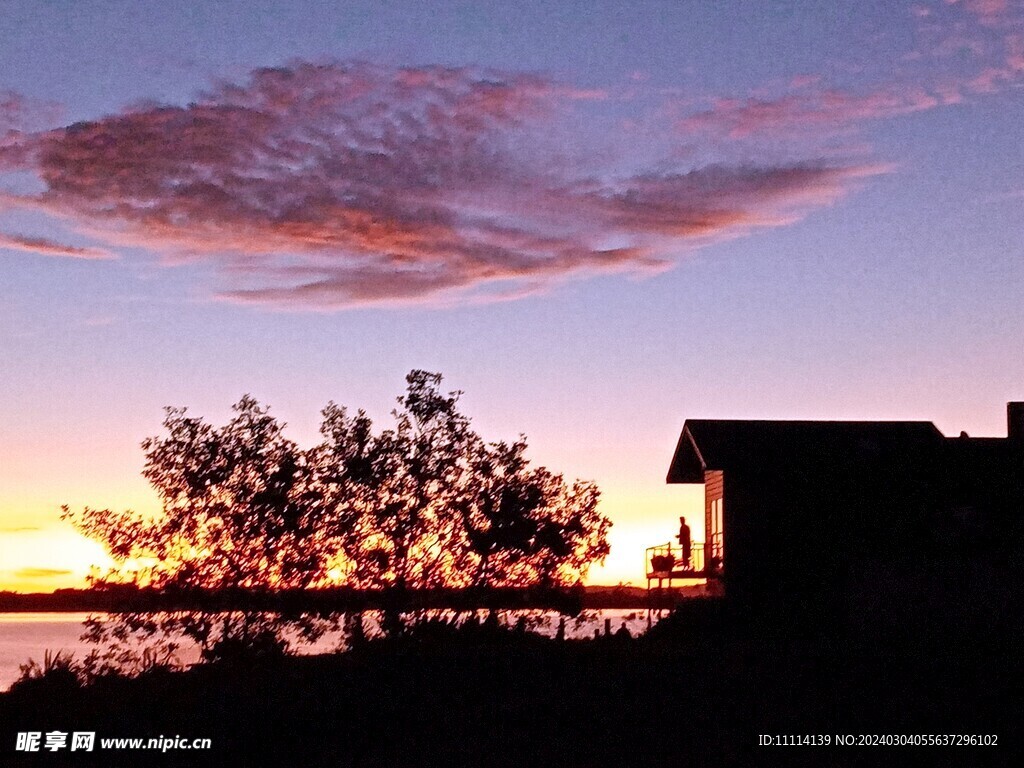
pixel 717 530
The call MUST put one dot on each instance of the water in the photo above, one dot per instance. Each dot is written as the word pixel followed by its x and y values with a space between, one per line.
pixel 31 635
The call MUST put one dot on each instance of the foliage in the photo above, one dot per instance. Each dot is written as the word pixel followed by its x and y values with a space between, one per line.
pixel 526 525
pixel 54 664
pixel 423 505
pixel 427 504
pixel 61 672
pixel 240 510
pixel 395 492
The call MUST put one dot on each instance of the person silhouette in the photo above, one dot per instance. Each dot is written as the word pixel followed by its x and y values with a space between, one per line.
pixel 684 542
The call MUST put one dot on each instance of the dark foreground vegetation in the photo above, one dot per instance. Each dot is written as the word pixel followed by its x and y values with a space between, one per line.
pixel 696 690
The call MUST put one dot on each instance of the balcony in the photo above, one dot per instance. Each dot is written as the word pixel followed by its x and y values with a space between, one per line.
pixel 668 562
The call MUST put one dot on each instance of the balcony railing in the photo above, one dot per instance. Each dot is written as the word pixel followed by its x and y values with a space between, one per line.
pixel 666 561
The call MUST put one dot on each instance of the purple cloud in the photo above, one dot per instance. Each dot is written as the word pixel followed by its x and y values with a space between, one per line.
pixel 336 185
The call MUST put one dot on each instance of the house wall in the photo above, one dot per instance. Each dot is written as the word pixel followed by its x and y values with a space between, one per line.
pixel 791 535
pixel 778 566
pixel 714 488
pixel 823 545
pixel 744 561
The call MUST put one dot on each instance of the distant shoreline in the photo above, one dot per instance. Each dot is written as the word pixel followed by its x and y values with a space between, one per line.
pixel 342 600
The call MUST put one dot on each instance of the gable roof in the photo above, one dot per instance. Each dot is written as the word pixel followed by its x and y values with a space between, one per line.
pixel 722 444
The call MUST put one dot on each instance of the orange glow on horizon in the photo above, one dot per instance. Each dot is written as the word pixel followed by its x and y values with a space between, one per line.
pixel 44 559
pixel 47 559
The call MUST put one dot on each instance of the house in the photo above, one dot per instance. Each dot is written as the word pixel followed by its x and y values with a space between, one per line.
pixel 833 523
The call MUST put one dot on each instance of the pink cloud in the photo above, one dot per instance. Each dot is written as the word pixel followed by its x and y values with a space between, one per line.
pixel 45 247
pixel 1003 74
pixel 20 113
pixel 1015 52
pixel 336 185
pixel 822 111
pixel 804 80
pixel 979 30
pixel 964 52
pixel 983 33
pixel 988 12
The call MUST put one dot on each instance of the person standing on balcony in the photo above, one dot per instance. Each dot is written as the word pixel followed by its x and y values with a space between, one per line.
pixel 684 542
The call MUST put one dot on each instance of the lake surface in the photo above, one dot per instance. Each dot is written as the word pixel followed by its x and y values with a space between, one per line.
pixel 25 636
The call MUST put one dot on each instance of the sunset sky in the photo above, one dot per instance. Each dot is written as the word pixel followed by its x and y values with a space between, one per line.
pixel 596 219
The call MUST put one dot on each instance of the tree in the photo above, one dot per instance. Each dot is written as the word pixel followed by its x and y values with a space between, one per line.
pixel 240 510
pixel 526 526
pixel 423 505
pixel 405 482
pixel 440 508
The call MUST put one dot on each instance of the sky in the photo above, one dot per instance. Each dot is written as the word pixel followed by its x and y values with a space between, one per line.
pixel 595 219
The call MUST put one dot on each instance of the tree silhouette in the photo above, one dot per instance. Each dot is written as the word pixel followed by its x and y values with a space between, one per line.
pixel 240 510
pixel 406 481
pixel 432 506
pixel 423 505
pixel 526 525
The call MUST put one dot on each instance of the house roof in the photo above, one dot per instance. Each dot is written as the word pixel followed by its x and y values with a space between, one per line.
pixel 724 444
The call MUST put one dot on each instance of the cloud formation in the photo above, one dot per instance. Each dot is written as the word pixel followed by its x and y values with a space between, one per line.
pixel 335 185
pixel 988 12
pixel 965 49
pixel 41 573
pixel 817 110
pixel 46 247
pixel 19 113
pixel 19 116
